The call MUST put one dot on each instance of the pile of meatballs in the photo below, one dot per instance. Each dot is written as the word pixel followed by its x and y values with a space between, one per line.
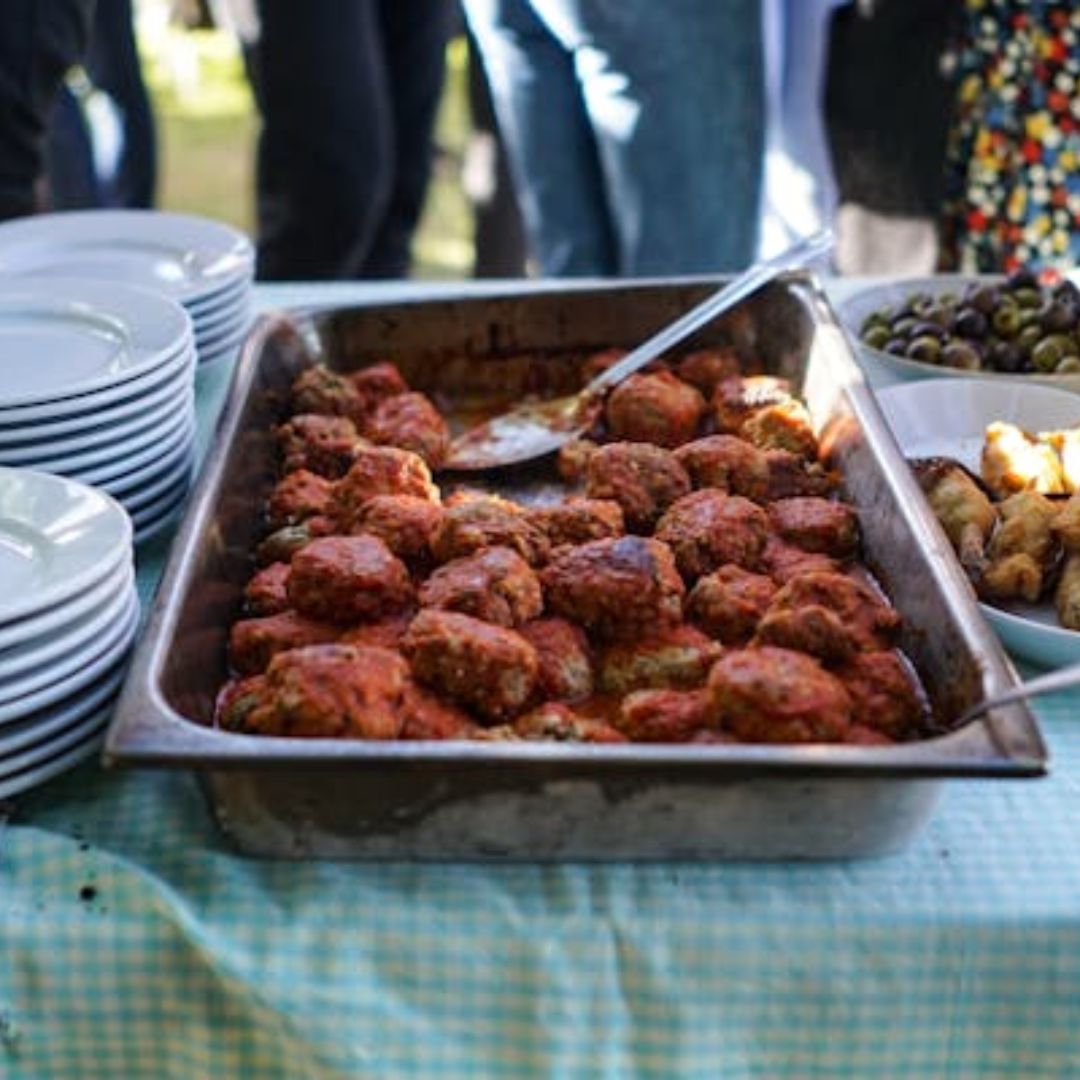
pixel 698 581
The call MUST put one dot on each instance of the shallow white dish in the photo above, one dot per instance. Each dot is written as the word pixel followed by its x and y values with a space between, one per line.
pixel 52 745
pixel 57 538
pixel 42 725
pixel 930 420
pixel 64 338
pixel 56 618
pixel 179 367
pixel 120 468
pixel 876 362
pixel 188 258
pixel 37 774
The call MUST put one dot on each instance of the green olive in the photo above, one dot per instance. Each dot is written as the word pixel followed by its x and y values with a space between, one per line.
pixel 1028 297
pixel 925 348
pixel 1068 365
pixel 985 299
pixel 1030 316
pixel 903 326
pixel 1006 320
pixel 877 335
pixel 1029 337
pixel 959 354
pixel 1048 353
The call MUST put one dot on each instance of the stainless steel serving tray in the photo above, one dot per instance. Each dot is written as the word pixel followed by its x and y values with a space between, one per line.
pixel 457 800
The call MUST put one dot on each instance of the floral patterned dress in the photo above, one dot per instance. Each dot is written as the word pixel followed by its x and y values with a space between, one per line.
pixel 1013 159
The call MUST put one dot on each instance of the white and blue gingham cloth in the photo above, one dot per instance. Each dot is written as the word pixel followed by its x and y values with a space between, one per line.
pixel 134 944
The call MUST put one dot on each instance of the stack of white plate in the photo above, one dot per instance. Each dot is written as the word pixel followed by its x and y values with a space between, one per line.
pixel 205 266
pixel 68 616
pixel 97 384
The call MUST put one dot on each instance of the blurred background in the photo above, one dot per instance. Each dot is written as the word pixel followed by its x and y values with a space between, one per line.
pixel 207 125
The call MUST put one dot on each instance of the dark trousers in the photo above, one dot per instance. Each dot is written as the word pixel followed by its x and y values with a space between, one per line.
pixel 38 43
pixel 112 64
pixel 348 94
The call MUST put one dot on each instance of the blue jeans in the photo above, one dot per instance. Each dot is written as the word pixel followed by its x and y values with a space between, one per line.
pixel 635 129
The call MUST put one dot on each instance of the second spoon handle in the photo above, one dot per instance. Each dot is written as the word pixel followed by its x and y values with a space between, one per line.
pixel 1061 679
pixel 742 286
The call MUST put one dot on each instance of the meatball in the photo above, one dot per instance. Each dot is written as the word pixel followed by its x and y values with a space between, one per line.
pixel 554 722
pixel 376 383
pixel 488 521
pixel 253 643
pixel 265 593
pixel 496 585
pixel 728 463
pixel 490 670
pixel 738 398
pixel 644 480
pixel 783 561
pixel 812 629
pixel 705 369
pixel 790 475
pixel 317 389
pixel 424 716
pixel 707 529
pixel 384 634
pixel 771 695
pixel 348 579
pixel 664 715
pixel 332 691
pixel 599 362
pixel 729 603
pixel 321 444
pixel 237 699
pixel 565 672
pixel 867 619
pixel 297 496
pixel 658 409
pixel 578 520
pixel 411 422
pixel 404 523
pixel 573 459
pixel 676 659
pixel 783 425
pixel 885 695
pixel 616 588
pixel 821 525
pixel 381 470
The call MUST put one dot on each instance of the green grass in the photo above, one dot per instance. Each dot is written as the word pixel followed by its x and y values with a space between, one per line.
pixel 208 125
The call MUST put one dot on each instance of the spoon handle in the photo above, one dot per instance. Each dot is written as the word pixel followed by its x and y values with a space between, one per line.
pixel 1061 679
pixel 734 291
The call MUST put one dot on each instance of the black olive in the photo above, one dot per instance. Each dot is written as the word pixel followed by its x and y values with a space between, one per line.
pixel 970 322
pixel 985 298
pixel 921 329
pixel 1022 279
pixel 897 346
pixel 1005 356
pixel 1056 316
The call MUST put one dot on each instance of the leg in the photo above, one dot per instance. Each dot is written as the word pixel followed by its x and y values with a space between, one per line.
pixel 114 67
pixel 551 148
pixel 38 42
pixel 675 96
pixel 324 164
pixel 414 37
pixel 69 157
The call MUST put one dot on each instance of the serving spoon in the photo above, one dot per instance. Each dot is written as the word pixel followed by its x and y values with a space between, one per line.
pixel 1061 679
pixel 533 430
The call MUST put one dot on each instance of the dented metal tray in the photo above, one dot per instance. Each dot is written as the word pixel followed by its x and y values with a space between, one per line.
pixel 319 798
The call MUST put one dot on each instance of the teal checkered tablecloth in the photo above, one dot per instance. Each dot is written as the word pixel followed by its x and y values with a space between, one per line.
pixel 133 943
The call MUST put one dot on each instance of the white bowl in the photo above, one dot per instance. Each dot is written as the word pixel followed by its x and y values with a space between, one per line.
pixel 931 421
pixel 854 310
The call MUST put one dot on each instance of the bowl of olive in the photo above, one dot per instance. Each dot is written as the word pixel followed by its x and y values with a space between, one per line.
pixel 1020 326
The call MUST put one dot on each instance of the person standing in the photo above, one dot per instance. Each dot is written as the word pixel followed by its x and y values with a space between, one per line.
pixel 348 93
pixel 635 130
pixel 38 43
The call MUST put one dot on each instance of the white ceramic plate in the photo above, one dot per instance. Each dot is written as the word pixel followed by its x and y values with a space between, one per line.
pixel 53 766
pixel 63 338
pixel 173 480
pixel 178 368
pixel 217 320
pixel 46 443
pixel 19 733
pixel 54 619
pixel 57 539
pixel 932 420
pixel 52 745
pixel 121 466
pixel 52 650
pixel 30 696
pixel 854 311
pixel 135 484
pixel 187 258
pixel 236 286
pixel 22 688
